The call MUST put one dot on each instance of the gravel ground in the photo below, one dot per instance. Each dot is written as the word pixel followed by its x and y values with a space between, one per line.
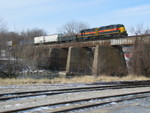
pixel 132 106
pixel 22 88
pixel 25 88
pixel 41 100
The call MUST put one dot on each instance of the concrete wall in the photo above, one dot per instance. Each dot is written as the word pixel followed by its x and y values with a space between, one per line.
pixel 87 60
pixel 79 60
pixel 109 60
pixel 57 58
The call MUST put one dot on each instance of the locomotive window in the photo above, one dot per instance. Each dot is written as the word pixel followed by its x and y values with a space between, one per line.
pixel 114 26
pixel 108 27
pixel 83 31
pixel 111 27
pixel 102 28
pixel 87 30
pixel 92 30
pixel 120 25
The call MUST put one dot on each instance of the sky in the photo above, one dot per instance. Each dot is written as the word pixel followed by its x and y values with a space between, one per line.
pixel 53 14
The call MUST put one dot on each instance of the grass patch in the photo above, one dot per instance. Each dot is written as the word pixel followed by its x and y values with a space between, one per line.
pixel 81 79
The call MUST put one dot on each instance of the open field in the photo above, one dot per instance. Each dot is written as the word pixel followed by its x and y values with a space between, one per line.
pixel 77 79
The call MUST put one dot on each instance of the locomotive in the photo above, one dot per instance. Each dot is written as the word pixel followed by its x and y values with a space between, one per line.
pixel 104 32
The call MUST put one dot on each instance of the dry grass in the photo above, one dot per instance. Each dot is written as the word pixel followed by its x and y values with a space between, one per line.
pixel 83 79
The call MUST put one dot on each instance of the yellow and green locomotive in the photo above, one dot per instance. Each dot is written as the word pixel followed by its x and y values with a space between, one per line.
pixel 104 32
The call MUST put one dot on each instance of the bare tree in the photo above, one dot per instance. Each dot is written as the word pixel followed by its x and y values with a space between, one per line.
pixel 28 35
pixel 3 25
pixel 3 30
pixel 72 28
pixel 139 29
pixel 15 59
pixel 140 62
pixel 7 67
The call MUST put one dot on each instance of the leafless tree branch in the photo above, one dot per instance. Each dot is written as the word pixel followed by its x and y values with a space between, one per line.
pixel 72 28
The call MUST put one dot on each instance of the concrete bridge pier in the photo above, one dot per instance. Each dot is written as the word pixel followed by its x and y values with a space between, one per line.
pixel 79 61
pixel 109 60
pixel 57 58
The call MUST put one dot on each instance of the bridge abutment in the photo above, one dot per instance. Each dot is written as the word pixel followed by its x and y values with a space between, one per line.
pixel 108 60
pixel 79 61
pixel 57 58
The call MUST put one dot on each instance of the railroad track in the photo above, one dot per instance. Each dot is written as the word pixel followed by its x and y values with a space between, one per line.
pixel 82 103
pixel 123 82
pixel 114 85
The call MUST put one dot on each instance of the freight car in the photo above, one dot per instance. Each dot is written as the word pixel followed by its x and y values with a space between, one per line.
pixel 54 38
pixel 104 32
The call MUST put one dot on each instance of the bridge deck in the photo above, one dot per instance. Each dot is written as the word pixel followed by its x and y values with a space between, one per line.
pixel 92 43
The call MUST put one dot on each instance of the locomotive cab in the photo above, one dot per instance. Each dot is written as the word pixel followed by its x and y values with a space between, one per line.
pixel 122 30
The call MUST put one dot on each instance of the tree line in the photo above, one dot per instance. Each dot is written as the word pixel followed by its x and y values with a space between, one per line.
pixel 11 46
pixel 18 53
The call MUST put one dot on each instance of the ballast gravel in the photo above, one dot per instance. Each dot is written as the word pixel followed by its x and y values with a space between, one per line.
pixel 42 100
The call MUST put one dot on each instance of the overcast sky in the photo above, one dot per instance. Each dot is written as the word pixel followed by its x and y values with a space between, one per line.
pixel 52 14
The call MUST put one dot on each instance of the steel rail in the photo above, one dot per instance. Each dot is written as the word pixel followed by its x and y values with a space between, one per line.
pixel 108 84
pixel 98 103
pixel 69 90
pixel 80 100
pixel 121 82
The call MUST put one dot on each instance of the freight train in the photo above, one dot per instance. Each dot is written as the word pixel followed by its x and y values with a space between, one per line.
pixel 104 32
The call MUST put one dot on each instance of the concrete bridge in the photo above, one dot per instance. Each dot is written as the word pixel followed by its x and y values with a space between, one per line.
pixel 90 57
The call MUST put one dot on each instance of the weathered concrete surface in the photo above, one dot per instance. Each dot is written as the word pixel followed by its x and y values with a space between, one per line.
pixel 108 60
pixel 79 60
pixel 57 58
pixel 39 55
